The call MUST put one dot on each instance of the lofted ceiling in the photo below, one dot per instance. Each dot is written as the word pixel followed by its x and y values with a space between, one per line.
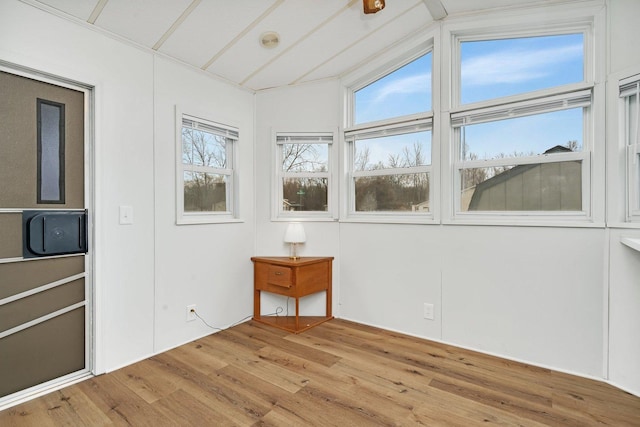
pixel 318 39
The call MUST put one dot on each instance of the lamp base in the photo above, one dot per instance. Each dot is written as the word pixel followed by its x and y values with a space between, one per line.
pixel 293 251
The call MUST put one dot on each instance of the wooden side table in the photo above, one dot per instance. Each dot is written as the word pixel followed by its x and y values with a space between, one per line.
pixel 293 278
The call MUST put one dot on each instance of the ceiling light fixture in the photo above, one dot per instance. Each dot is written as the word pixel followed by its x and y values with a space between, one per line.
pixel 372 6
pixel 269 40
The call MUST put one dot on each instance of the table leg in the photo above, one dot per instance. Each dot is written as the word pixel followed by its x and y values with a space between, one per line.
pixel 297 314
pixel 256 304
pixel 329 296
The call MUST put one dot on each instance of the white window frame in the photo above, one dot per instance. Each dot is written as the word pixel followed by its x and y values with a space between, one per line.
pixel 630 133
pixel 580 99
pixel 584 94
pixel 232 134
pixel 327 137
pixel 421 45
pixel 422 122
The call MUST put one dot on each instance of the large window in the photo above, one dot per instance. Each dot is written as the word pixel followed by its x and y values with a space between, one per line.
pixel 389 144
pixel 629 96
pixel 304 175
pixel 206 171
pixel 520 119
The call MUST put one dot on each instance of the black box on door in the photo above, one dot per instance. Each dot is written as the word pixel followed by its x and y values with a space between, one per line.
pixel 48 233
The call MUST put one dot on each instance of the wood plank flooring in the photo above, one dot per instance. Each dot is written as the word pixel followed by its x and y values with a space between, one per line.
pixel 337 374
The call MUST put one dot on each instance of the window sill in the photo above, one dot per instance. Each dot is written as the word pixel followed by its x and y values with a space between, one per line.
pixel 304 219
pixel 556 221
pixel 208 220
pixel 628 225
pixel 390 219
pixel 633 243
pixel 288 216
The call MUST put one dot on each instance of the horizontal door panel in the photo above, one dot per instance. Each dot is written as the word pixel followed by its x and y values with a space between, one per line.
pixel 22 276
pixel 44 351
pixel 34 306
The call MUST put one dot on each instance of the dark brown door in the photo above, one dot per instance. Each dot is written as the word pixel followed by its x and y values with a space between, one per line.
pixel 43 298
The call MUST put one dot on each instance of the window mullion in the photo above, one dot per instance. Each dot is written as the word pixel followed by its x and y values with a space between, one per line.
pixel 208 169
pixel 520 109
pixel 515 161
pixel 393 171
pixel 293 175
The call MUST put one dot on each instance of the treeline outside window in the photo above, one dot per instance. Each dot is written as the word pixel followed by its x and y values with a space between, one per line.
pixel 392 169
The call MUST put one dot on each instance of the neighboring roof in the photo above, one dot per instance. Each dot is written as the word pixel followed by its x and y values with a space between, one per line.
pixel 508 175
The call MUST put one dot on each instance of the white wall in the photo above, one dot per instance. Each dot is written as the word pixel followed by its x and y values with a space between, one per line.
pixel 516 292
pixel 535 294
pixel 624 267
pixel 306 108
pixel 622 31
pixel 204 264
pixel 532 294
pixel 146 273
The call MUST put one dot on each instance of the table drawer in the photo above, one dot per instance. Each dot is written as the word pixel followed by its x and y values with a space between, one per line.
pixel 279 276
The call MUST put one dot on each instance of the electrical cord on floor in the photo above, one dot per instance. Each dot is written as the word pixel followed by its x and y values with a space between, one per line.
pixel 277 312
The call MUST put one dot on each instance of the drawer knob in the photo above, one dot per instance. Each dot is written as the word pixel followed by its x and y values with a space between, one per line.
pixel 278 273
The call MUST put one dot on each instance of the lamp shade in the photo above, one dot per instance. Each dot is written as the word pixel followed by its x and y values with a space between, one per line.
pixel 295 233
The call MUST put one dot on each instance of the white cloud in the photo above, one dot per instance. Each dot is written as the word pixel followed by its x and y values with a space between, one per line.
pixel 407 85
pixel 514 66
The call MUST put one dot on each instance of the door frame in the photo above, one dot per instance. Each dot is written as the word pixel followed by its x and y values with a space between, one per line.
pixel 89 198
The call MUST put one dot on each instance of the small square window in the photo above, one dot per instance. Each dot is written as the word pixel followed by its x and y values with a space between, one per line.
pixel 304 175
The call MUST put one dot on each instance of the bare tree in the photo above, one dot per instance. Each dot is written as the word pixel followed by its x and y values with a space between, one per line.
pixel 573 145
pixel 361 161
pixel 202 148
pixel 301 157
pixel 204 191
pixel 414 156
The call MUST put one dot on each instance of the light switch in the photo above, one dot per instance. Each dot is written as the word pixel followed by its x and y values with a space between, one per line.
pixel 126 215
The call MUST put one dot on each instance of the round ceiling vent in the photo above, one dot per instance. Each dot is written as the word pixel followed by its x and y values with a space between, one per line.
pixel 270 39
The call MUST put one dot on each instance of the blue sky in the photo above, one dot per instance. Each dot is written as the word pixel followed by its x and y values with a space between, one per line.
pixel 496 68
pixel 405 91
pixel 490 69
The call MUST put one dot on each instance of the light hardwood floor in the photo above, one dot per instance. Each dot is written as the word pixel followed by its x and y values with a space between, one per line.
pixel 337 374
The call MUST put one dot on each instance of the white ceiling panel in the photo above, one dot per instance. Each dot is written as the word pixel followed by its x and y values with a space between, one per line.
pixel 368 48
pixel 319 39
pixel 344 30
pixel 211 26
pixel 247 56
pixel 463 6
pixel 79 9
pixel 143 21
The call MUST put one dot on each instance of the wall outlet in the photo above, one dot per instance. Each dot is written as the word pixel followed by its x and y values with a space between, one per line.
pixel 191 313
pixel 428 311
